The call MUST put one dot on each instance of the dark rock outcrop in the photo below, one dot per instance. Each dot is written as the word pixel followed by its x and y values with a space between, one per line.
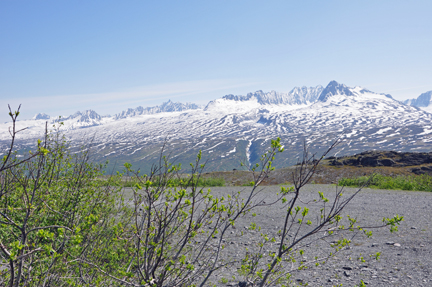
pixel 422 170
pixel 335 162
pixel 383 158
pixel 387 162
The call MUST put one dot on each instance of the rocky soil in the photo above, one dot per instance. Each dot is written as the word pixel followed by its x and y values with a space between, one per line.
pixel 406 255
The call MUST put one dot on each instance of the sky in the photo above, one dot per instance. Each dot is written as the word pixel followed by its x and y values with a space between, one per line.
pixel 59 57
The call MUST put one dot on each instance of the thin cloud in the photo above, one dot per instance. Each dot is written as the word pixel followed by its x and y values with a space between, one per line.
pixel 114 102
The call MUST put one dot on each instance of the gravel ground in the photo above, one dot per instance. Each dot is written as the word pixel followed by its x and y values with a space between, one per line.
pixel 406 256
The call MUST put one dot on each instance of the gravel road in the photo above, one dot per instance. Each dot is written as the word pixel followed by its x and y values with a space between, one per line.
pixel 406 256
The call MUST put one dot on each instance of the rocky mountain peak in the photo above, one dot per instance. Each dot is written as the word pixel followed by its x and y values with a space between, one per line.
pixel 168 106
pixel 41 116
pixel 297 96
pixel 424 100
pixel 332 89
pixel 86 116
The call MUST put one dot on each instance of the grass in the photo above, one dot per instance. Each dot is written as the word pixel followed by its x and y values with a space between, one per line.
pixel 412 182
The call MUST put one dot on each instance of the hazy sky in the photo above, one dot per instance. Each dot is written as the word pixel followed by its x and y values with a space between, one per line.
pixel 59 57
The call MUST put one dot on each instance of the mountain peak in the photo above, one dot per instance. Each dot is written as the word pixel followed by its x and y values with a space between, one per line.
pixel 41 116
pixel 168 106
pixel 297 96
pixel 424 100
pixel 86 116
pixel 332 89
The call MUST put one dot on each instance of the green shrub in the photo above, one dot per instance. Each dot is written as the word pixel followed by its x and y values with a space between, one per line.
pixel 55 217
pixel 174 182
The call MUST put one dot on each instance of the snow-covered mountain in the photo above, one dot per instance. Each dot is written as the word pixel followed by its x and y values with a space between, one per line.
pixel 41 116
pixel 334 90
pixel 165 107
pixel 238 128
pixel 423 102
pixel 296 98
pixel 88 118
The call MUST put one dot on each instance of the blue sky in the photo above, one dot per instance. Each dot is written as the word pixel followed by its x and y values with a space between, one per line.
pixel 59 57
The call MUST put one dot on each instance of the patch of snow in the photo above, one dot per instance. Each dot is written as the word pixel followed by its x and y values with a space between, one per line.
pixel 214 146
pixel 248 153
pixel 381 131
pixel 233 150
pixel 392 135
pixel 425 132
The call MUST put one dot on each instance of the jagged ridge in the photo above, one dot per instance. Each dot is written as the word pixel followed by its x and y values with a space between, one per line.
pixel 297 96
pixel 165 107
pixel 424 100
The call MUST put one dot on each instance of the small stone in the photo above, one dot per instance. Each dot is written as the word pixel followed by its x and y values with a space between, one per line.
pixel 375 244
pixel 347 274
pixel 413 227
pixel 347 268
pixel 397 245
pixel 390 243
pixel 422 245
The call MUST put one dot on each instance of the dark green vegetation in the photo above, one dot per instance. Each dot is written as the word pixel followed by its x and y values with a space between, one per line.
pixel 419 182
pixel 63 223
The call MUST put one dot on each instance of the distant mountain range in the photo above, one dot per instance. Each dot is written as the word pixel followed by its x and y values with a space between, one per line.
pixel 423 101
pixel 164 108
pixel 238 128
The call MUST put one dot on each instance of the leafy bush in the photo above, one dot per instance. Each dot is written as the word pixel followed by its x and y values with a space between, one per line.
pixel 183 180
pixel 54 216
